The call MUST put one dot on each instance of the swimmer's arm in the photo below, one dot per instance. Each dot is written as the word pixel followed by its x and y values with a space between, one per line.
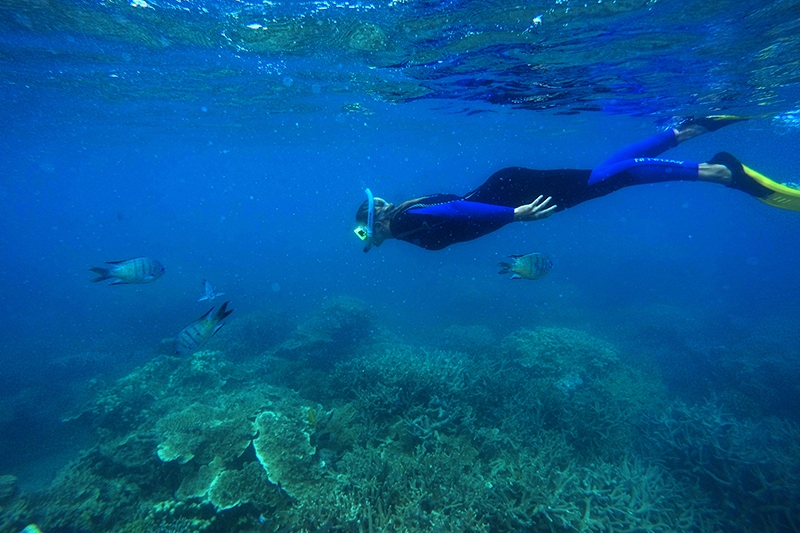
pixel 466 210
pixel 535 210
pixel 475 211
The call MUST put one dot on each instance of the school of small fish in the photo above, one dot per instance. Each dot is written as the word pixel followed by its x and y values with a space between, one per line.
pixel 141 270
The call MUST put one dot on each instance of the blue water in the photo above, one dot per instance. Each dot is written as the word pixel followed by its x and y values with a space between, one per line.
pixel 172 132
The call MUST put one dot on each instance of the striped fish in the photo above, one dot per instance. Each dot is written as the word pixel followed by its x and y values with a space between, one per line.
pixel 195 335
pixel 529 266
pixel 138 270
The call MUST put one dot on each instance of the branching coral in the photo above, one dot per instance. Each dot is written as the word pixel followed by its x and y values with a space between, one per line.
pixel 560 352
pixel 751 468
pixel 394 378
pixel 478 340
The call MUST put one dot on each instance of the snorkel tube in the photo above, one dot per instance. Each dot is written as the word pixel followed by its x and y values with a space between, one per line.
pixel 365 234
pixel 370 220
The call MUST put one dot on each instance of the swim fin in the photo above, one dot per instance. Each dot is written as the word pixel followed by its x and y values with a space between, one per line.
pixel 756 184
pixel 710 122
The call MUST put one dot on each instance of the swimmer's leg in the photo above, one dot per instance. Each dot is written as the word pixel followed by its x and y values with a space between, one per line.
pixel 642 170
pixel 658 144
pixel 650 147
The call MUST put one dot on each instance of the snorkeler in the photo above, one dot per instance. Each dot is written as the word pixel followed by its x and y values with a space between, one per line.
pixel 520 194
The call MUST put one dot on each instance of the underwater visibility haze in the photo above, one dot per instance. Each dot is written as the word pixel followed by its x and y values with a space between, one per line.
pixel 244 366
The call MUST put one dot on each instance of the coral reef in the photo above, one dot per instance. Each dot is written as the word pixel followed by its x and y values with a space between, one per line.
pixel 330 333
pixel 253 333
pixel 580 388
pixel 549 430
pixel 561 352
pixel 204 432
pixel 249 484
pixel 474 340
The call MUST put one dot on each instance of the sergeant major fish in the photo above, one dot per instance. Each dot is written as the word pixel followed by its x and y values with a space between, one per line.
pixel 211 294
pixel 195 335
pixel 535 265
pixel 138 270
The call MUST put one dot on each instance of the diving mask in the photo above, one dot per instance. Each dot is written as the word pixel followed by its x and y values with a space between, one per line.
pixel 365 233
pixel 361 233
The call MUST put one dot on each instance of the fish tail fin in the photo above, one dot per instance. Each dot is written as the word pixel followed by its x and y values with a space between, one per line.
pixel 217 328
pixel 102 274
pixel 505 268
pixel 222 313
pixel 208 315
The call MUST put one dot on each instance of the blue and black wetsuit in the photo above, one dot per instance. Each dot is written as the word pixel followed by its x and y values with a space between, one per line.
pixel 439 220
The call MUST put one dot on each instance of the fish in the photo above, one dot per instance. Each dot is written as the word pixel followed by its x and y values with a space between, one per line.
pixel 211 294
pixel 138 270
pixel 195 335
pixel 534 265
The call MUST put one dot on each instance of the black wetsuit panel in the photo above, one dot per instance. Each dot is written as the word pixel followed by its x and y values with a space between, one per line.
pixel 516 186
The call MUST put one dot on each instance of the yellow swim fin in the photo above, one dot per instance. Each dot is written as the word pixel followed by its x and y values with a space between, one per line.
pixel 756 184
pixel 780 196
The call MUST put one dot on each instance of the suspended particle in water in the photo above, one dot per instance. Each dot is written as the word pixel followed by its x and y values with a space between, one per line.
pixel 288 81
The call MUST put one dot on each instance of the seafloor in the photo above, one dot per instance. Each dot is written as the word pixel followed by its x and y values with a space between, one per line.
pixel 337 424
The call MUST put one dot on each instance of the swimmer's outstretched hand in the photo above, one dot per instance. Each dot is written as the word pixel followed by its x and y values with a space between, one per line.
pixel 535 210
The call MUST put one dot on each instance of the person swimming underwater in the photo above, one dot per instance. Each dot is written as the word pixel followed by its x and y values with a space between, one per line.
pixel 517 194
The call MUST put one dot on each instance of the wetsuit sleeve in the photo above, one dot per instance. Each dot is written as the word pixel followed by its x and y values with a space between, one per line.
pixel 464 210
